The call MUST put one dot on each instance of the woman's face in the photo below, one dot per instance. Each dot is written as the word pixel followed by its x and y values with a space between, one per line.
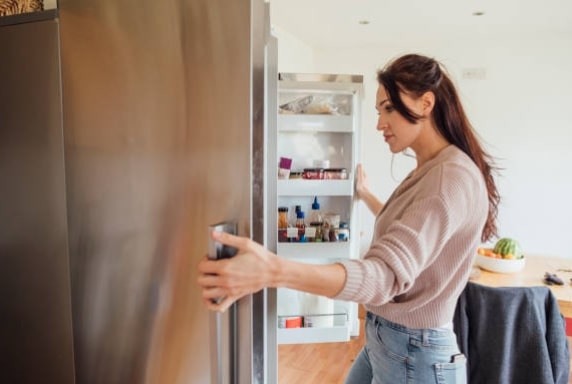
pixel 398 133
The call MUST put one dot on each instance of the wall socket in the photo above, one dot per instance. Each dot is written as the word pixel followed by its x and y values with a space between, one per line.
pixel 478 73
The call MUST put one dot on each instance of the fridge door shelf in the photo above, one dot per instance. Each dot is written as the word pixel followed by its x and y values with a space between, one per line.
pixel 340 250
pixel 315 123
pixel 337 333
pixel 303 187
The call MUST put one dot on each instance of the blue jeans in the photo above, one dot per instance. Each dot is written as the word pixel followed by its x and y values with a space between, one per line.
pixel 394 354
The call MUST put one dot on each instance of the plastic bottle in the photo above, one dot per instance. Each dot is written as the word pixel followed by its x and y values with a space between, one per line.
pixel 316 219
pixel 282 217
pixel 344 232
pixel 301 225
pixel 297 208
pixel 282 224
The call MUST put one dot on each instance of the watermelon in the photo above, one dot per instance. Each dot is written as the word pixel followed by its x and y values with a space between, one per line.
pixel 506 246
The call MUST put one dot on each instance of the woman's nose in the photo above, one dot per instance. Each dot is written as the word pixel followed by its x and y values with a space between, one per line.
pixel 381 123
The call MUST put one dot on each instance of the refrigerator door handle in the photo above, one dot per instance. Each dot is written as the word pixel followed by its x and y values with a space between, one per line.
pixel 221 251
pixel 223 326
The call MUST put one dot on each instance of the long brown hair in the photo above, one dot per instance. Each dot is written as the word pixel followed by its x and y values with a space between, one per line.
pixel 417 74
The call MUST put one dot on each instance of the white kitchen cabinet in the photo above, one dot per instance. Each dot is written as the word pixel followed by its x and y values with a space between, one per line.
pixel 318 128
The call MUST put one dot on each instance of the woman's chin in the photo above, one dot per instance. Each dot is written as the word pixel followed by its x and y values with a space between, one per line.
pixel 395 149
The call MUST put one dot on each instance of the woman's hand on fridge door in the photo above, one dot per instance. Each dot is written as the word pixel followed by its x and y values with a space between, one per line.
pixel 364 193
pixel 362 182
pixel 225 281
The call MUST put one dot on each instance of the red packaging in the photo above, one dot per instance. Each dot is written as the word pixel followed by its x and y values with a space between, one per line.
pixel 294 322
pixel 313 173
pixel 335 174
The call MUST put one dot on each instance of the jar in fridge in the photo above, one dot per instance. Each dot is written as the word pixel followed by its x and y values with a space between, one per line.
pixel 313 173
pixel 282 224
pixel 282 217
pixel 335 174
pixel 344 232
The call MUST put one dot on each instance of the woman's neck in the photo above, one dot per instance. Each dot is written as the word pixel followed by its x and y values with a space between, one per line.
pixel 428 145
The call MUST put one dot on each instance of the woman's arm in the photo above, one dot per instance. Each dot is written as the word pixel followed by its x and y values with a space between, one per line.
pixel 254 268
pixel 363 192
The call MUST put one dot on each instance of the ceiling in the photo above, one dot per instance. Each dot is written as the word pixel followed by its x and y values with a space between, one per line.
pixel 331 23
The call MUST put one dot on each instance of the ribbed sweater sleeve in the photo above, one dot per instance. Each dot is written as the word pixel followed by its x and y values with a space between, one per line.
pixel 423 244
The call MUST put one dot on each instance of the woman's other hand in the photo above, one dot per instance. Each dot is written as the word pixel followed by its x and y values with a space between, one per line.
pixel 363 192
pixel 362 183
pixel 225 281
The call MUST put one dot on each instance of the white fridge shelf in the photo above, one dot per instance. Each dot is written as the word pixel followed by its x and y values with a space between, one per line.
pixel 302 187
pixel 313 335
pixel 324 250
pixel 315 123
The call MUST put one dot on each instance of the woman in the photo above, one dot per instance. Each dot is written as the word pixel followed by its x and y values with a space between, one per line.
pixel 424 240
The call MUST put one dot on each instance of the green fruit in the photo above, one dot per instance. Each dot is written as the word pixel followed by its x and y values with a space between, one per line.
pixel 506 245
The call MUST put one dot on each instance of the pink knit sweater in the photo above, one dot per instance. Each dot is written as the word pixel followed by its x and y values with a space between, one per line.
pixel 424 244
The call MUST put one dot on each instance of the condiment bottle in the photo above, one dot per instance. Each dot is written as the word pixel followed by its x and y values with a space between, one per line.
pixel 282 217
pixel 297 208
pixel 282 224
pixel 344 232
pixel 316 220
pixel 301 225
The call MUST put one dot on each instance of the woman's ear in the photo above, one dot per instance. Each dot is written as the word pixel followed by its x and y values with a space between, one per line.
pixel 427 103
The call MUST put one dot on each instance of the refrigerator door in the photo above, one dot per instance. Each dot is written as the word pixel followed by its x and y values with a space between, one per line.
pixel 159 127
pixel 35 310
pixel 154 132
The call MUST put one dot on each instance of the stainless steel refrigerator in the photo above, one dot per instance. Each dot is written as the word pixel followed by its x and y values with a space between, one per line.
pixel 127 127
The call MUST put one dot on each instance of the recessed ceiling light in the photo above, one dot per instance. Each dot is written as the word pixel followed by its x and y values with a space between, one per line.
pixel 363 22
pixel 478 13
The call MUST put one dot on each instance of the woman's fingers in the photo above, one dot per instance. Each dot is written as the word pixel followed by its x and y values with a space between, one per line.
pixel 233 278
pixel 219 306
pixel 239 242
pixel 208 266
pixel 213 293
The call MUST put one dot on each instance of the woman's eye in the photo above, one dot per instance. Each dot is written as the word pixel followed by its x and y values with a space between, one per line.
pixel 389 108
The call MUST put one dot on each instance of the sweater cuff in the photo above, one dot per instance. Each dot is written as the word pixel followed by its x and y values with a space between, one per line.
pixel 354 278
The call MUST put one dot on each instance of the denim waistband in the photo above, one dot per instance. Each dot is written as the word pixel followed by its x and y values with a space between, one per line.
pixel 410 331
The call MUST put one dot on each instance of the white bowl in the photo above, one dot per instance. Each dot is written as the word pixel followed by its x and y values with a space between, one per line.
pixel 500 265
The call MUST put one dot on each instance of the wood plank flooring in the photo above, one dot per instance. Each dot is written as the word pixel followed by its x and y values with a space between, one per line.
pixel 326 363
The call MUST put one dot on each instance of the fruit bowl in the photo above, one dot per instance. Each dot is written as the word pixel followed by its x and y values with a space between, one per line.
pixel 500 265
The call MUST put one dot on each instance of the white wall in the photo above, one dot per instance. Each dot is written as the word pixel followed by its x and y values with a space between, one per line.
pixel 521 110
pixel 293 54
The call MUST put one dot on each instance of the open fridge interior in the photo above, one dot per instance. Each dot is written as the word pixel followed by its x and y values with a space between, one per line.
pixel 317 140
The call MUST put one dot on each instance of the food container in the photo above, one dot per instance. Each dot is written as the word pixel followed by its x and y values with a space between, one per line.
pixel 344 232
pixel 322 164
pixel 335 174
pixel 331 227
pixel 313 173
pixel 284 167
pixel 293 322
pixel 282 224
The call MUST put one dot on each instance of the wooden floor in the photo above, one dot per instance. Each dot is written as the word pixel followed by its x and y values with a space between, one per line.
pixel 326 363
